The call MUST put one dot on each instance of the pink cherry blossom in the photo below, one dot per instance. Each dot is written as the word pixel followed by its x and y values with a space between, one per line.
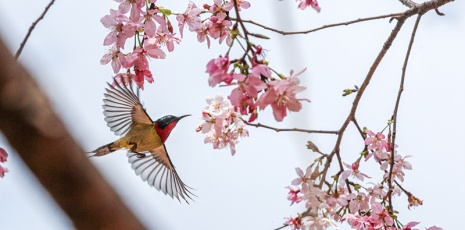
pixel 191 18
pixel 359 203
pixel 163 36
pixel 3 158
pixel 410 225
pixel 243 96
pixel 116 57
pixel 261 70
pixel 294 223
pixel 153 49
pixel 218 27
pixel 218 7
pixel 356 221
pixel 376 142
pixel 3 155
pixel 317 223
pixel 217 69
pixel 133 5
pixel 138 59
pixel 3 171
pixel 434 228
pixel 241 4
pixel 380 216
pixel 202 35
pixel 351 171
pixel 281 96
pixel 222 125
pixel 294 194
pixel 150 24
pixel 302 178
pixel 338 197
pixel 376 192
pixel 120 28
pixel 304 3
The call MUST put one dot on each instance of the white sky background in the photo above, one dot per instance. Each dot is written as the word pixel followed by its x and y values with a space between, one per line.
pixel 247 191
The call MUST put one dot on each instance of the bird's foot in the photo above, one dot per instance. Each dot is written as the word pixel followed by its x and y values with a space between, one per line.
pixel 140 155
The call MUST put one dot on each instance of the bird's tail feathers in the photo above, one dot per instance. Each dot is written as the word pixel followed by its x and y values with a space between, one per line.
pixel 103 150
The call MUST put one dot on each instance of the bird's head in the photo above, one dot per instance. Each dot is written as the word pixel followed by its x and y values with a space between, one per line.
pixel 166 124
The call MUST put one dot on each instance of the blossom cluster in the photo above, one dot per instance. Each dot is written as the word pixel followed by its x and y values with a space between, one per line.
pixel 3 156
pixel 222 125
pixel 256 88
pixel 216 26
pixel 345 199
pixel 151 29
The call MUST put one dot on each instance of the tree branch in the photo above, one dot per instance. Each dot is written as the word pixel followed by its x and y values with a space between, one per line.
pixel 321 27
pixel 396 108
pixel 31 126
pixel 23 43
pixel 290 130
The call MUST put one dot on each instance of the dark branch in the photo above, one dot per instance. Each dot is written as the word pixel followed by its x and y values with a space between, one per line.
pixel 31 126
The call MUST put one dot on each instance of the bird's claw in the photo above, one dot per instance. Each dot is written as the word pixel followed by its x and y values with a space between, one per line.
pixel 140 155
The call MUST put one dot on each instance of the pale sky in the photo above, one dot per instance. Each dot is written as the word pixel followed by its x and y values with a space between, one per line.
pixel 247 191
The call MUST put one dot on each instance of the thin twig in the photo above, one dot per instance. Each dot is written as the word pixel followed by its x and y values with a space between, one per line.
pixel 282 227
pixel 23 43
pixel 322 27
pixel 290 129
pixel 396 108
pixel 354 120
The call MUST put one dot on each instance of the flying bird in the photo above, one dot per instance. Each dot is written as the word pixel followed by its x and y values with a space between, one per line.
pixel 143 138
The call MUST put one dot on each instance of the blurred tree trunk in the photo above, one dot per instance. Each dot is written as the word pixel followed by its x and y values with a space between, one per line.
pixel 40 138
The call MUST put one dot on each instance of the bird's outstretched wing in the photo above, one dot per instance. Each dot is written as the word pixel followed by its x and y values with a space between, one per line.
pixel 156 168
pixel 122 108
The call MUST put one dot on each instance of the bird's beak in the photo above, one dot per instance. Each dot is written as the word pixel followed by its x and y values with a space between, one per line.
pixel 183 116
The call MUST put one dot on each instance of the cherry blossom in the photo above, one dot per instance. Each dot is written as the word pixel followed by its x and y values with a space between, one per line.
pixel 376 142
pixel 317 223
pixel 281 95
pixel 261 70
pixel 380 216
pixel 218 27
pixel 294 223
pixel 304 3
pixel 410 225
pixel 150 25
pixel 434 228
pixel 294 194
pixel 222 125
pixel 243 96
pixel 217 69
pixel 351 171
pixel 191 18
pixel 359 203
pixel 116 57
pixel 218 7
pixel 133 5
pixel 202 35
pixel 241 4
pixel 3 158
pixel 302 178
pixel 120 29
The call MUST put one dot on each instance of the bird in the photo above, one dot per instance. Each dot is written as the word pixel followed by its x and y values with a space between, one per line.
pixel 143 138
